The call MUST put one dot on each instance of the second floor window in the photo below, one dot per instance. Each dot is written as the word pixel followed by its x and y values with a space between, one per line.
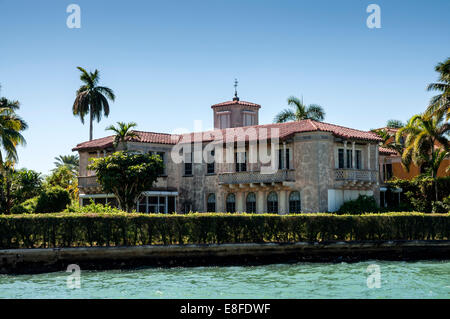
pixel 210 167
pixel 281 159
pixel 188 164
pixel 358 159
pixel 241 161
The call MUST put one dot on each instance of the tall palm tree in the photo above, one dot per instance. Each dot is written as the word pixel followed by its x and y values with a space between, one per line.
pixel 71 161
pixel 11 126
pixel 92 98
pixel 426 143
pixel 440 104
pixel 123 133
pixel 300 111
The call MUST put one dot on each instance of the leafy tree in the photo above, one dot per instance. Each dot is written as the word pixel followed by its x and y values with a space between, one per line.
pixel 71 161
pixel 28 184
pixel 300 111
pixel 440 104
pixel 65 178
pixel 394 124
pixel 122 133
pixel 127 175
pixel 426 143
pixel 92 98
pixel 52 200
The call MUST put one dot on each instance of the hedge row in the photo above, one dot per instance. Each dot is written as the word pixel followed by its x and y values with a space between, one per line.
pixel 75 230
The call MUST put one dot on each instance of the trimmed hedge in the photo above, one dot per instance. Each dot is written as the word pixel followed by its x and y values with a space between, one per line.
pixel 113 229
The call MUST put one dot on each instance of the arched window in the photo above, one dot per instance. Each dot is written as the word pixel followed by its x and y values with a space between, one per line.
pixel 231 203
pixel 211 203
pixel 295 204
pixel 272 203
pixel 251 203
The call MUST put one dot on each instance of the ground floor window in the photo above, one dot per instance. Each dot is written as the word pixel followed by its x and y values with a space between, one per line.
pixel 157 204
pixel 295 205
pixel 231 203
pixel 211 203
pixel 251 203
pixel 272 203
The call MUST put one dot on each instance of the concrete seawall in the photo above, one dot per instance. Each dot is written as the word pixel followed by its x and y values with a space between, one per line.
pixel 19 261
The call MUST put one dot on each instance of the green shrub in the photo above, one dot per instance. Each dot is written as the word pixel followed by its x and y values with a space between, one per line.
pixel 74 229
pixel 53 199
pixel 363 204
pixel 27 207
pixel 440 207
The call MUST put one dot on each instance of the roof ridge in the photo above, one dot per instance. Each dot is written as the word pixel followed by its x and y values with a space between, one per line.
pixel 313 124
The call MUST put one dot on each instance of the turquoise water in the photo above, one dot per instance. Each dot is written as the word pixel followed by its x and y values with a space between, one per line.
pixel 422 279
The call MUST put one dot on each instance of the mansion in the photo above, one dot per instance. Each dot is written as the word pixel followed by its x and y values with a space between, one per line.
pixel 313 167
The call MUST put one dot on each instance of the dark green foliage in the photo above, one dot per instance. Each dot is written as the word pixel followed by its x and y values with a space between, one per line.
pixel 363 204
pixel 419 193
pixel 127 175
pixel 114 228
pixel 53 199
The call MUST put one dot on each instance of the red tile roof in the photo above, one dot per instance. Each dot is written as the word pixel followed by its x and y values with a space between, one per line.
pixel 386 151
pixel 245 103
pixel 284 131
pixel 144 137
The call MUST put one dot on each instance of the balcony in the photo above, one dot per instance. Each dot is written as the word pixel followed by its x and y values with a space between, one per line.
pixel 88 184
pixel 256 177
pixel 356 177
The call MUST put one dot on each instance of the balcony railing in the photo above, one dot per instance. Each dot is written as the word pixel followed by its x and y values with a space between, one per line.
pixel 256 177
pixel 87 181
pixel 356 175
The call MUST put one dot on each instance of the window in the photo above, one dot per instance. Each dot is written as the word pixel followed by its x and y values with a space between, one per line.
pixel 241 161
pixel 249 118
pixel 251 203
pixel 388 172
pixel 341 158
pixel 224 120
pixel 358 159
pixel 281 164
pixel 188 164
pixel 295 205
pixel 272 203
pixel 349 159
pixel 231 203
pixel 171 205
pixel 210 167
pixel 211 203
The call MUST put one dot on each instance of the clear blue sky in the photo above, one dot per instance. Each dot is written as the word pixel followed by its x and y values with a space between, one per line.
pixel 168 61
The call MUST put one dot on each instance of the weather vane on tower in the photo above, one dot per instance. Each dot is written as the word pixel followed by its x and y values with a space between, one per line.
pixel 235 90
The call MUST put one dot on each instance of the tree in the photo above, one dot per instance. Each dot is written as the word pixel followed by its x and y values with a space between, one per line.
pixel 28 184
pixel 394 124
pixel 65 178
pixel 11 126
pixel 388 142
pixel 71 161
pixel 92 98
pixel 426 143
pixel 440 104
pixel 123 133
pixel 127 175
pixel 300 111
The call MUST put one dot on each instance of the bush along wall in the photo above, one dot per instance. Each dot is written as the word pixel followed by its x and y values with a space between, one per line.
pixel 113 229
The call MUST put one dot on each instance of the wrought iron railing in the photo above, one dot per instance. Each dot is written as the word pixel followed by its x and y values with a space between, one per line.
pixel 87 181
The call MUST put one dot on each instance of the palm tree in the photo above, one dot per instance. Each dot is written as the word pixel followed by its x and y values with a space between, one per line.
pixel 300 111
pixel 11 126
pixel 71 161
pixel 389 142
pixel 426 143
pixel 440 104
pixel 92 99
pixel 123 133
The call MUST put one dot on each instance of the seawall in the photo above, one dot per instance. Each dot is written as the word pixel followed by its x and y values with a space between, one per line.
pixel 39 260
